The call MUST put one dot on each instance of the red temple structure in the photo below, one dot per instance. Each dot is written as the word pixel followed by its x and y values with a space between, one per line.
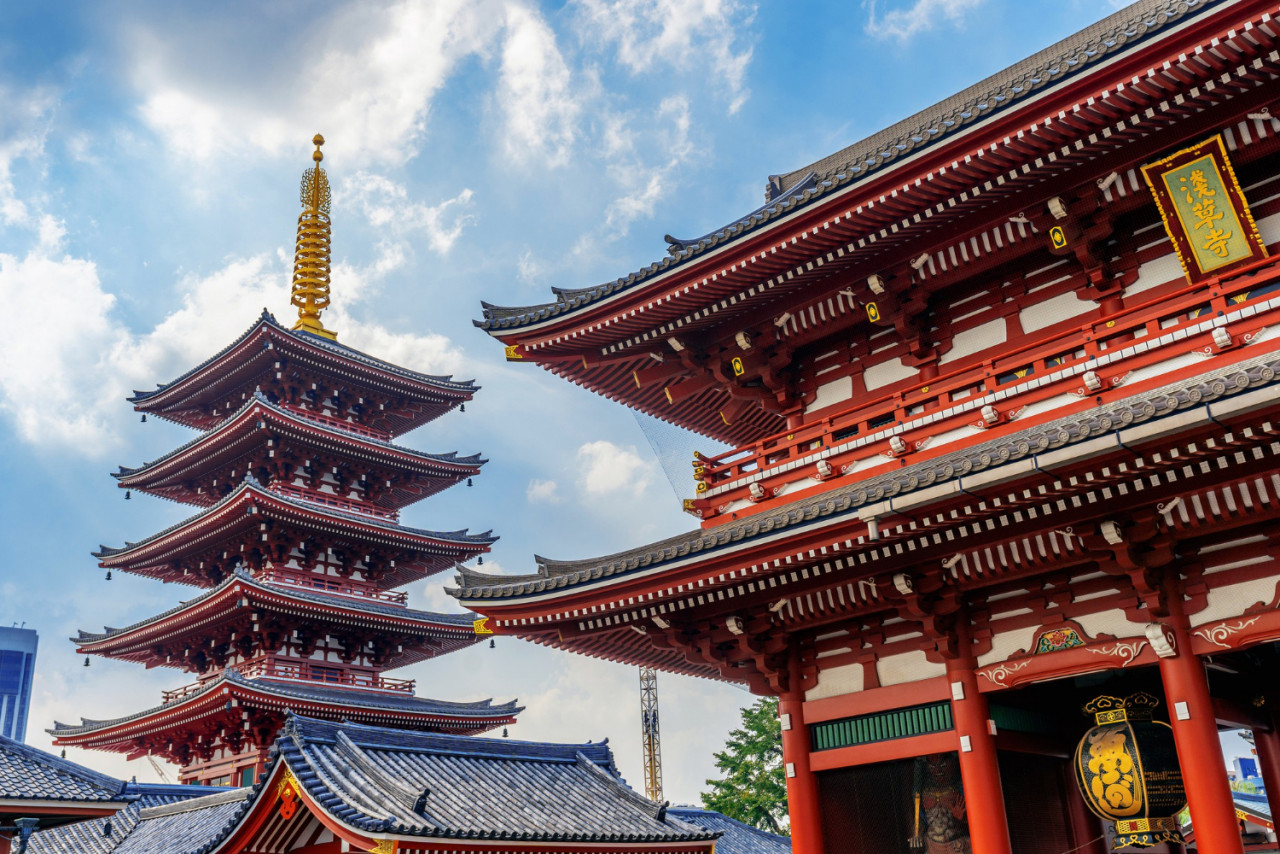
pixel 297 543
pixel 1001 387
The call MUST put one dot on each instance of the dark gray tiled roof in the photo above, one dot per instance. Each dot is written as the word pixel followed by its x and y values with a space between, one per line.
pixel 258 398
pixel 372 606
pixel 349 697
pixel 391 781
pixel 739 838
pixel 268 319
pixel 463 536
pixel 91 837
pixel 1108 419
pixel 32 775
pixel 1112 36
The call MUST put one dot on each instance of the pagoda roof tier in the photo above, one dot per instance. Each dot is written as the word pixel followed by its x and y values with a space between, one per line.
pixel 159 640
pixel 232 694
pixel 705 338
pixel 260 430
pixel 260 357
pixel 254 525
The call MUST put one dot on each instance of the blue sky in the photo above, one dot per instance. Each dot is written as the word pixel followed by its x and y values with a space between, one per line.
pixel 149 160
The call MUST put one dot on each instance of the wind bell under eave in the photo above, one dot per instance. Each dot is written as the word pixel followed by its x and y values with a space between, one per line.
pixel 311 257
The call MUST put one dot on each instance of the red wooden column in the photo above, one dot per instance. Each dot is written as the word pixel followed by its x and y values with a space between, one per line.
pixel 1195 732
pixel 4 843
pixel 802 784
pixel 1268 745
pixel 979 768
pixel 1086 828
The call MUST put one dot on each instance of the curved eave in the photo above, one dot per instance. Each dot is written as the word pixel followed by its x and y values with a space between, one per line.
pixel 133 643
pixel 120 734
pixel 558 581
pixel 879 156
pixel 234 515
pixel 256 422
pixel 177 400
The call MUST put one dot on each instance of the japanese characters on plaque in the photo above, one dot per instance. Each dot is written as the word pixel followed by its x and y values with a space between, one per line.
pixel 1204 209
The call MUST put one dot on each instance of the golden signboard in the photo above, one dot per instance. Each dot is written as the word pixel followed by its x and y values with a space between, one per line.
pixel 1204 209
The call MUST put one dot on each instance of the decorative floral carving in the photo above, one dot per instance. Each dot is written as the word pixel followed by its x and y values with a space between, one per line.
pixel 1127 650
pixel 998 673
pixel 1218 633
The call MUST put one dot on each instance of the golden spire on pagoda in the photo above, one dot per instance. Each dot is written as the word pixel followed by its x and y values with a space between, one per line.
pixel 311 258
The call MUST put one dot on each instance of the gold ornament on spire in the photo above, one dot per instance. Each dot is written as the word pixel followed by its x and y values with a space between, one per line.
pixel 311 258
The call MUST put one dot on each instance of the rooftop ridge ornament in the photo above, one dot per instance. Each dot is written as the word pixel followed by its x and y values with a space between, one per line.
pixel 311 257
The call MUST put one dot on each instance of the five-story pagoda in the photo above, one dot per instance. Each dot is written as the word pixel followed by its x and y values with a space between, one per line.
pixel 297 542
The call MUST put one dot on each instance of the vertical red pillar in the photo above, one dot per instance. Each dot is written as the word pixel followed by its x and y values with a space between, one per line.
pixel 1195 732
pixel 4 844
pixel 1268 746
pixel 979 766
pixel 802 784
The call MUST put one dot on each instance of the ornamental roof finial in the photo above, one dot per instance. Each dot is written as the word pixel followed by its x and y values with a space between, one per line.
pixel 311 258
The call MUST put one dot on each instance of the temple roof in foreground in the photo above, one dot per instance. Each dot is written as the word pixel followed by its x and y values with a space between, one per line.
pixel 415 784
pixel 870 158
pixel 381 783
pixel 27 774
pixel 738 838
pixel 185 826
pixel 174 819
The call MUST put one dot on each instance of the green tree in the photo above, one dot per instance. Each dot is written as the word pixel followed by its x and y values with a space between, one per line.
pixel 754 785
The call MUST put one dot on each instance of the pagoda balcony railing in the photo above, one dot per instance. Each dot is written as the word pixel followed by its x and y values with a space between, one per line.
pixel 337 502
pixel 334 586
pixel 299 671
pixel 336 423
pixel 861 438
pixel 311 672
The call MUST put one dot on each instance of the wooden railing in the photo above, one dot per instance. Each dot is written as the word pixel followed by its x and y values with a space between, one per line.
pixel 336 423
pixel 337 502
pixel 299 671
pixel 311 581
pixel 1020 373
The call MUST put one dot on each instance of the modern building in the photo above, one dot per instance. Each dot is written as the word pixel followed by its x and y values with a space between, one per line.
pixel 296 545
pixel 17 669
pixel 1000 384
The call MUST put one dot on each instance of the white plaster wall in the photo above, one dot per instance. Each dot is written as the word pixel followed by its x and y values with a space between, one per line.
pixel 1155 273
pixel 886 373
pixel 846 679
pixel 1053 310
pixel 907 667
pixel 831 393
pixel 1109 622
pixel 1229 601
pixel 981 337
pixel 1008 643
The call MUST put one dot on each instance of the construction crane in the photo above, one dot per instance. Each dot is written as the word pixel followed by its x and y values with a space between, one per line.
pixel 156 765
pixel 649 735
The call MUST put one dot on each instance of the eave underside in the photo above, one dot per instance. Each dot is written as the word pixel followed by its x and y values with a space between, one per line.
pixel 809 260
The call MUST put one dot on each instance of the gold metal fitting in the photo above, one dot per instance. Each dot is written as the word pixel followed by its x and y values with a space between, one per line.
pixel 311 256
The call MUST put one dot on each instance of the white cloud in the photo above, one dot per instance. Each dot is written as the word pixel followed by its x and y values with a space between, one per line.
pixel 371 71
pixel 921 15
pixel 606 468
pixel 543 492
pixel 25 117
pixel 534 92
pixel 386 205
pixel 678 33
pixel 70 362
